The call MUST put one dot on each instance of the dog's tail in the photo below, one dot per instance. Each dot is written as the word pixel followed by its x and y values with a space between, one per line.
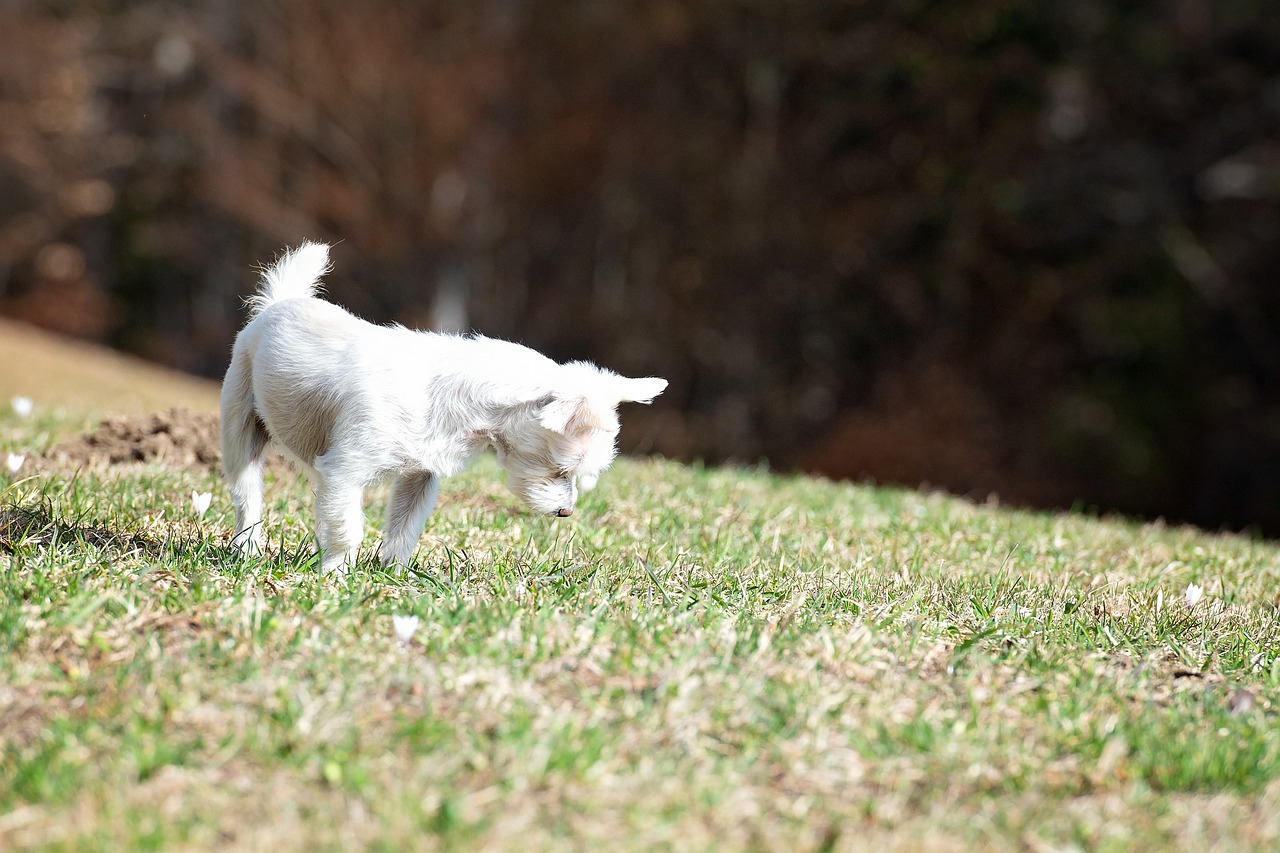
pixel 296 275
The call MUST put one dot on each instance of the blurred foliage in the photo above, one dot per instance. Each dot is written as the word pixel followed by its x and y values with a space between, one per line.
pixel 1022 247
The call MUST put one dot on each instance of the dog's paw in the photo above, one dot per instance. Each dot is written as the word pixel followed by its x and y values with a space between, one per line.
pixel 246 545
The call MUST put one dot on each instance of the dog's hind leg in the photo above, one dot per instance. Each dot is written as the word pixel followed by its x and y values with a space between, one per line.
pixel 339 517
pixel 244 442
pixel 413 497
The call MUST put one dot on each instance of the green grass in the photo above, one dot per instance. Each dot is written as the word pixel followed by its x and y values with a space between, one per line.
pixel 699 659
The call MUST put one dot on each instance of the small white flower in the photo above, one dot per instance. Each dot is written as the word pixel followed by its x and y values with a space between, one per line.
pixel 1193 594
pixel 13 461
pixel 404 627
pixel 200 502
pixel 22 406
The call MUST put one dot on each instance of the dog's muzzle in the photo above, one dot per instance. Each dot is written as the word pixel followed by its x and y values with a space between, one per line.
pixel 565 513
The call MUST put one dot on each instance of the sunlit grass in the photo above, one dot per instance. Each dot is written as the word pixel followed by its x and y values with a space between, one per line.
pixel 698 659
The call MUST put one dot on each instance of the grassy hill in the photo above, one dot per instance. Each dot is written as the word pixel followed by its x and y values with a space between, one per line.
pixel 697 659
pixel 80 380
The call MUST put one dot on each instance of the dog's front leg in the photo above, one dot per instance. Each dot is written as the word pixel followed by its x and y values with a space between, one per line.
pixel 413 497
pixel 339 524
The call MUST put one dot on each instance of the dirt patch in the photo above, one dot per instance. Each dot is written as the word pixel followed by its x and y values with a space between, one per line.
pixel 178 437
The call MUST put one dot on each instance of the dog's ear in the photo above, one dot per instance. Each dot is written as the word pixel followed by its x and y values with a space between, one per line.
pixel 568 415
pixel 639 390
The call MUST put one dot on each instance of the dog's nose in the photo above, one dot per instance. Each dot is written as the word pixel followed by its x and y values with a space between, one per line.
pixel 565 513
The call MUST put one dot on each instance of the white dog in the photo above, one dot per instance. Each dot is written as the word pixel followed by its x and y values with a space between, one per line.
pixel 353 404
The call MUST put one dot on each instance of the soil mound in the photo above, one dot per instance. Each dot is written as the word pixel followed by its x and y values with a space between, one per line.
pixel 178 437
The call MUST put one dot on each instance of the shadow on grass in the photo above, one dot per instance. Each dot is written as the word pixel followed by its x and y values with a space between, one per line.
pixel 25 525
pixel 42 526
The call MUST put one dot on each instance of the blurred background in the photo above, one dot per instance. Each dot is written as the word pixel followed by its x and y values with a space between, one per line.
pixel 1023 248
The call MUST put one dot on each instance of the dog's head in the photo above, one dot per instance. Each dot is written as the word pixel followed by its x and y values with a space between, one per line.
pixel 561 440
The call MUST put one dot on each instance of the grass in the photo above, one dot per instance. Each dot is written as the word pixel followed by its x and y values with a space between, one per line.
pixel 699 659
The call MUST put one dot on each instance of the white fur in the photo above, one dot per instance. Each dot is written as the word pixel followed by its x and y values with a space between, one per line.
pixel 353 404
